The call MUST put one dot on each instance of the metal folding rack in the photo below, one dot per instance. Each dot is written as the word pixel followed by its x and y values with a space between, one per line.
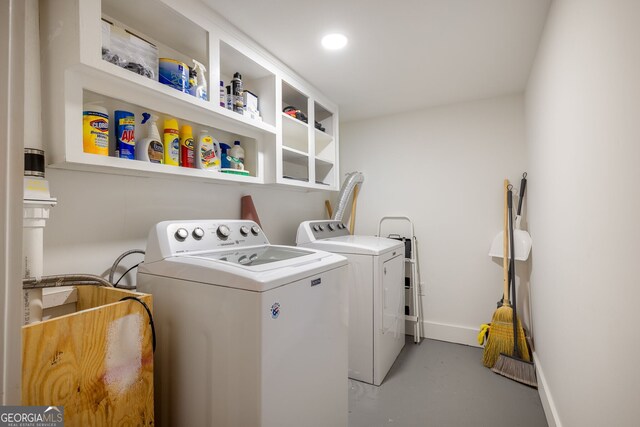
pixel 414 280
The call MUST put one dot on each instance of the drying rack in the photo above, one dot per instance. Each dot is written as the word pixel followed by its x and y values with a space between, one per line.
pixel 415 316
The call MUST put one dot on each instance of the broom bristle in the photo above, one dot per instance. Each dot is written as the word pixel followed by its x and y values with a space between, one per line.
pixel 516 369
pixel 500 339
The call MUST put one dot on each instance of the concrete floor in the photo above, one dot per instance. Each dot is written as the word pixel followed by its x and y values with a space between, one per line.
pixel 443 385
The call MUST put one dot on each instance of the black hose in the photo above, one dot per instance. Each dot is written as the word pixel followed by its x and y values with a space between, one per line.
pixel 512 268
pixel 523 186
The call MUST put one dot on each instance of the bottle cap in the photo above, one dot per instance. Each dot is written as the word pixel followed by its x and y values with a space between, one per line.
pixel 236 143
pixel 186 130
pixel 170 124
pixel 237 76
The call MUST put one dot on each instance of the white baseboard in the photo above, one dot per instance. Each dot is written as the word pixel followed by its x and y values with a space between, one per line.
pixel 548 405
pixel 444 332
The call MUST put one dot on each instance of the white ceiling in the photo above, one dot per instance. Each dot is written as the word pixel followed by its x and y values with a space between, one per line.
pixel 402 54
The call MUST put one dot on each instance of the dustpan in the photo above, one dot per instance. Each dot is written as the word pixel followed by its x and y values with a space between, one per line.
pixel 521 239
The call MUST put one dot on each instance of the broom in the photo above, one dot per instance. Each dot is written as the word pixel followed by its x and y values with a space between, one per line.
pixel 516 366
pixel 500 339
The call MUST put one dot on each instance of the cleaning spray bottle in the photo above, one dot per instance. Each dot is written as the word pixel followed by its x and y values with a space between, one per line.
pixel 171 143
pixel 201 85
pixel 150 148
pixel 205 151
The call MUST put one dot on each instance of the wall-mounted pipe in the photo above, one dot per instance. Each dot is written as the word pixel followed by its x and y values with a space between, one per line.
pixel 64 280
pixel 36 204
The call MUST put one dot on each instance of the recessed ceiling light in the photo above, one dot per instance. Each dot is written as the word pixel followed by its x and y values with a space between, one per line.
pixel 334 41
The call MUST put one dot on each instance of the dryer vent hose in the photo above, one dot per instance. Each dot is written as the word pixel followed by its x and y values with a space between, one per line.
pixel 349 184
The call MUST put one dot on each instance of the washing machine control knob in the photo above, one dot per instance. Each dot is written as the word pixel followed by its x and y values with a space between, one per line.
pixel 315 228
pixel 255 230
pixel 331 227
pixel 244 230
pixel 321 228
pixel 198 233
pixel 181 234
pixel 223 232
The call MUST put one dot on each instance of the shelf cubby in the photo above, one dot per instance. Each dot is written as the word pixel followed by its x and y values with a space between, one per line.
pixel 136 167
pixel 180 39
pixel 325 172
pixel 255 78
pixel 295 134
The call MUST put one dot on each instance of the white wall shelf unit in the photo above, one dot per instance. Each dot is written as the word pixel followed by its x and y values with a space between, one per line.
pixel 321 169
pixel 278 150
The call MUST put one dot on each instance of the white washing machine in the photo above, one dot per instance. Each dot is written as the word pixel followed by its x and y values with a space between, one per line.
pixel 249 334
pixel 376 295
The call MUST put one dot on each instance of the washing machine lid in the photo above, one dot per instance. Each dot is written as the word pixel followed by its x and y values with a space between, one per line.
pixel 362 245
pixel 257 268
pixel 262 255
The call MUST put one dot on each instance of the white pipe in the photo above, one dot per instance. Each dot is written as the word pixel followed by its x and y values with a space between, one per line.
pixel 32 258
pixel 35 211
pixel 31 76
pixel 32 238
pixel 36 205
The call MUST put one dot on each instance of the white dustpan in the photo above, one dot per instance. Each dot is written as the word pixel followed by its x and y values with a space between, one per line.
pixel 521 240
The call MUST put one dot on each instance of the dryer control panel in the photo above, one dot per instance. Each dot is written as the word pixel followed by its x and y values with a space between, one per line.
pixel 310 231
pixel 170 238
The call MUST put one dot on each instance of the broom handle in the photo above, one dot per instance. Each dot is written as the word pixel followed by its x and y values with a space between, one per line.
pixel 352 223
pixel 505 247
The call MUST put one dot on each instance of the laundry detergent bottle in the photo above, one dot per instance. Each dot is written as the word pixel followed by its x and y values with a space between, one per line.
pixel 205 152
pixel 150 148
pixel 171 142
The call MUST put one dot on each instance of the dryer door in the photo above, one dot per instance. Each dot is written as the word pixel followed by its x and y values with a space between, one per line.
pixel 393 296
pixel 389 313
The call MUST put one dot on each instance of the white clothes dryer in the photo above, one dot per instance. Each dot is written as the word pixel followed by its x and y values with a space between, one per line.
pixel 249 333
pixel 376 295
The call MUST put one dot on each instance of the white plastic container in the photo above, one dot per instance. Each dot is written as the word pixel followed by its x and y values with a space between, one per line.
pixel 237 152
